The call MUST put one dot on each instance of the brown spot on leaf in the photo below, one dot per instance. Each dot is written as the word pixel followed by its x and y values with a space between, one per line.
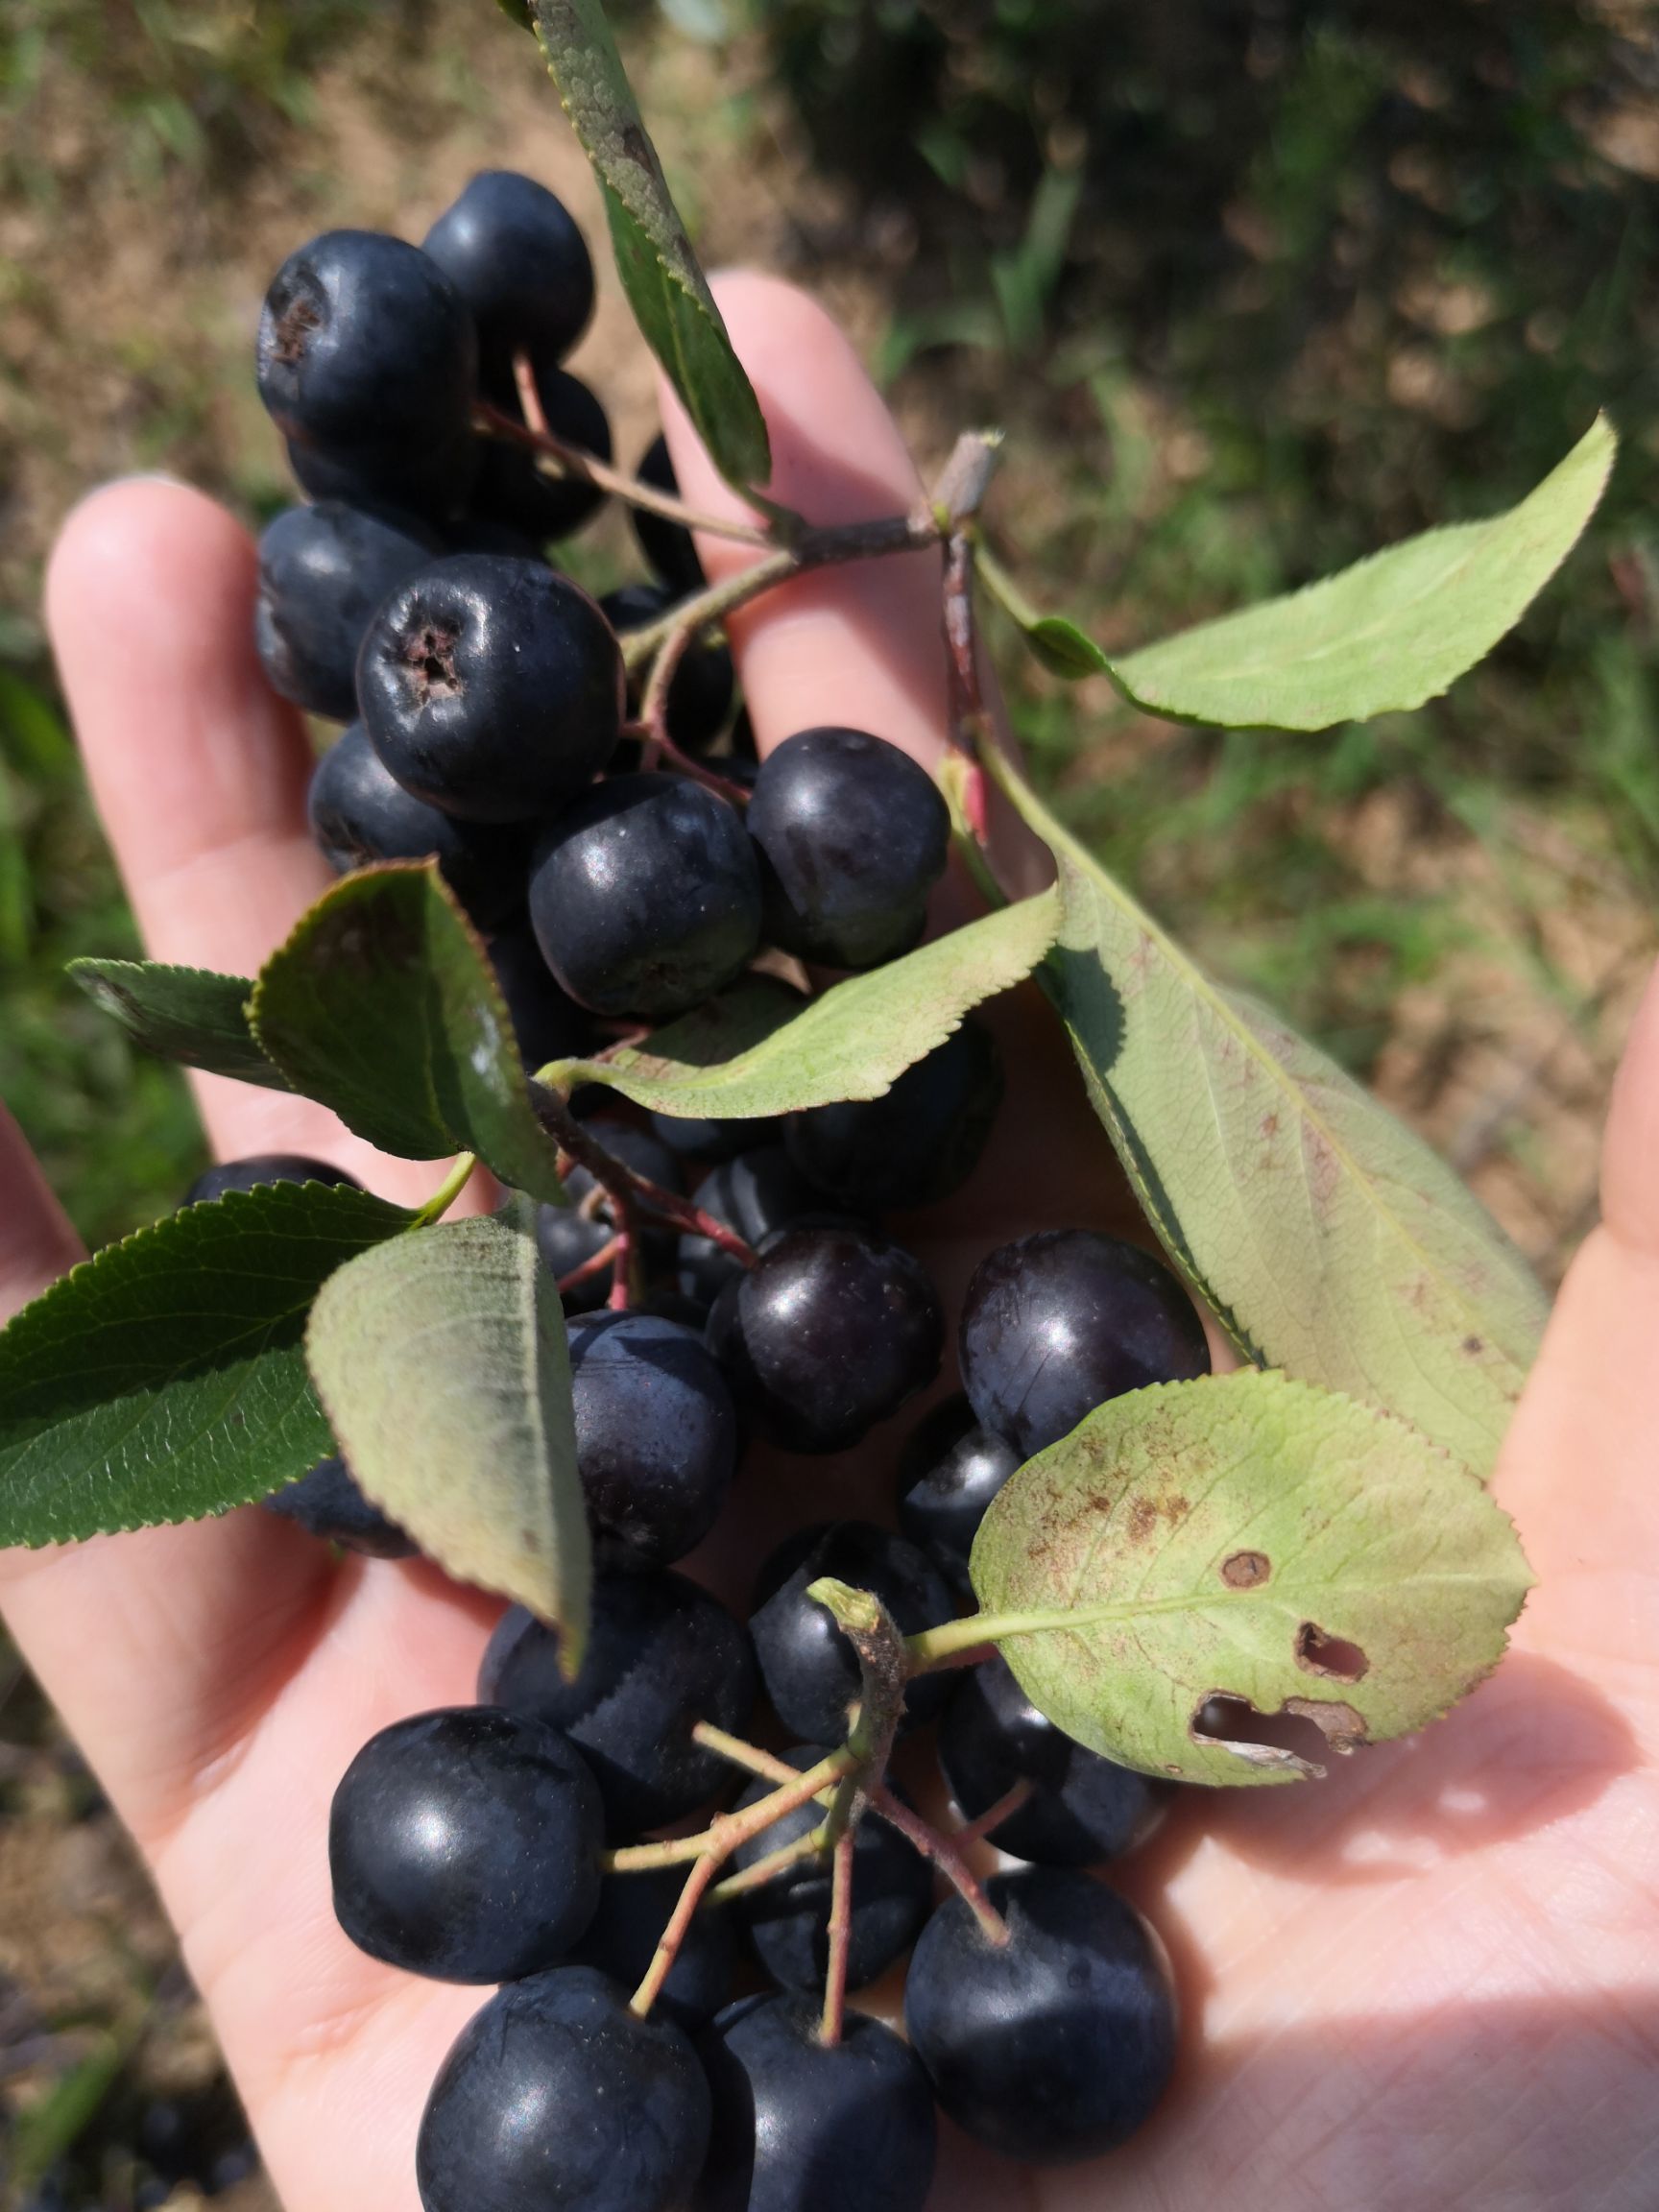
pixel 1330 1656
pixel 1269 1126
pixel 1142 1520
pixel 1246 1570
pixel 1473 1346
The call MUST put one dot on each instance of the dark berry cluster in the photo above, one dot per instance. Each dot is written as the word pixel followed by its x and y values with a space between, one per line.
pixel 721 1281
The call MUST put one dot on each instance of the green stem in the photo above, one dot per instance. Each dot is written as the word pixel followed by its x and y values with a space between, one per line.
pixel 942 1647
pixel 447 1192
pixel 722 1837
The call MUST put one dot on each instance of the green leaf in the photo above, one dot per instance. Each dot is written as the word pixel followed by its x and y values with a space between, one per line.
pixel 1058 644
pixel 166 1379
pixel 666 287
pixel 1252 1540
pixel 443 1365
pixel 1386 635
pixel 383 1005
pixel 1328 1236
pixel 756 1051
pixel 186 1014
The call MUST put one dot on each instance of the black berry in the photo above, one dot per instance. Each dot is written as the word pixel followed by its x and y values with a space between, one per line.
pixel 753 1196
pixel 322 572
pixel 511 490
pixel 1056 1324
pixel 667 545
pixel 948 1472
pixel 517 257
pixel 546 1023
pixel 703 684
pixel 915 1144
pixel 258 1167
pixel 656 1436
pixel 329 1503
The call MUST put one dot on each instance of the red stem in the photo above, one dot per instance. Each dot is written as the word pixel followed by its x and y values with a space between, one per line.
pixel 834 2019
pixel 943 1852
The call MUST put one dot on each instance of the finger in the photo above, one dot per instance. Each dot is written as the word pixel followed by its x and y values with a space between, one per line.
pixel 198 769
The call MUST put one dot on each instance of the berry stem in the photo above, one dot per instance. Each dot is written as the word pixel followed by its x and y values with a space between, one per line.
pixel 976 1831
pixel 447 1192
pixel 722 1837
pixel 496 423
pixel 945 1854
pixel 763 1871
pixel 674 1934
pixel 834 2018
pixel 606 1256
pixel 630 1194
pixel 748 1756
pixel 883 1667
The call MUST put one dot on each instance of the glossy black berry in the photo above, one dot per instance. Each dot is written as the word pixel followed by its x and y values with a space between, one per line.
pixel 322 572
pixel 517 257
pixel 569 1234
pixel 703 684
pixel 645 897
pixel 556 2098
pixel 431 481
pixel 800 2126
pixel 513 491
pixel 1056 1324
pixel 465 1844
pixel 359 814
pixel 1057 2045
pixel 852 836
pixel 329 1503
pixel 753 1194
pixel 491 687
pixel 810 1670
pixel 661 1655
pixel 258 1167
pixel 546 1023
pixel 915 1144
pixel 667 545
pixel 788 1920
pixel 830 1331
pixel 1085 1809
pixel 624 1933
pixel 948 1472
pixel 367 361
pixel 656 1436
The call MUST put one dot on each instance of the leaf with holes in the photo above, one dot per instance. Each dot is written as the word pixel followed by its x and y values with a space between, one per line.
pixel 186 1014
pixel 1385 635
pixel 1328 1236
pixel 383 1005
pixel 1201 1555
pixel 443 1365
pixel 166 1379
pixel 759 1051
pixel 665 286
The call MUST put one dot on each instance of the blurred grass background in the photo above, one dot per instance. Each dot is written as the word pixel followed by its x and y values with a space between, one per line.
pixel 1255 285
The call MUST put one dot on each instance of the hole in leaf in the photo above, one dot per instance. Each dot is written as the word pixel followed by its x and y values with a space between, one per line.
pixel 1246 1570
pixel 1300 1735
pixel 1329 1656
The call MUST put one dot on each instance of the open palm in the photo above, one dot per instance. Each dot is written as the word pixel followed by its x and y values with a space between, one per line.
pixel 1431 1981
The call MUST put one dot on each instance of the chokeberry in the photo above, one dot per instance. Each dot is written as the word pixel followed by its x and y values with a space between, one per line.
pixel 1056 2045
pixel 556 2095
pixel 465 1844
pixel 804 2126
pixel 948 1472
pixel 367 361
pixel 809 1668
pixel 714 1141
pixel 702 686
pixel 645 897
pixel 662 1655
pixel 656 1436
pixel 667 545
pixel 517 257
pixel 624 1933
pixel 568 1235
pixel 852 835
pixel 491 687
pixel 788 1920
pixel 258 1167
pixel 830 1331
pixel 329 1503
pixel 360 814
pixel 1056 1324
pixel 753 1196
pixel 546 1023
pixel 915 1144
pixel 322 572
pixel 431 481
pixel 512 490
pixel 1083 1808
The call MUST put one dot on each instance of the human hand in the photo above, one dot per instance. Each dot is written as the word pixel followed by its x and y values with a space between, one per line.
pixel 1433 1980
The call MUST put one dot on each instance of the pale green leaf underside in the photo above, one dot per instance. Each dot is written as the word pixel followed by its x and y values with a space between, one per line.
pixel 1385 635
pixel 382 1005
pixel 665 285
pixel 441 1362
pixel 1330 1239
pixel 185 1014
pixel 1214 1539
pixel 756 1051
pixel 166 1379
